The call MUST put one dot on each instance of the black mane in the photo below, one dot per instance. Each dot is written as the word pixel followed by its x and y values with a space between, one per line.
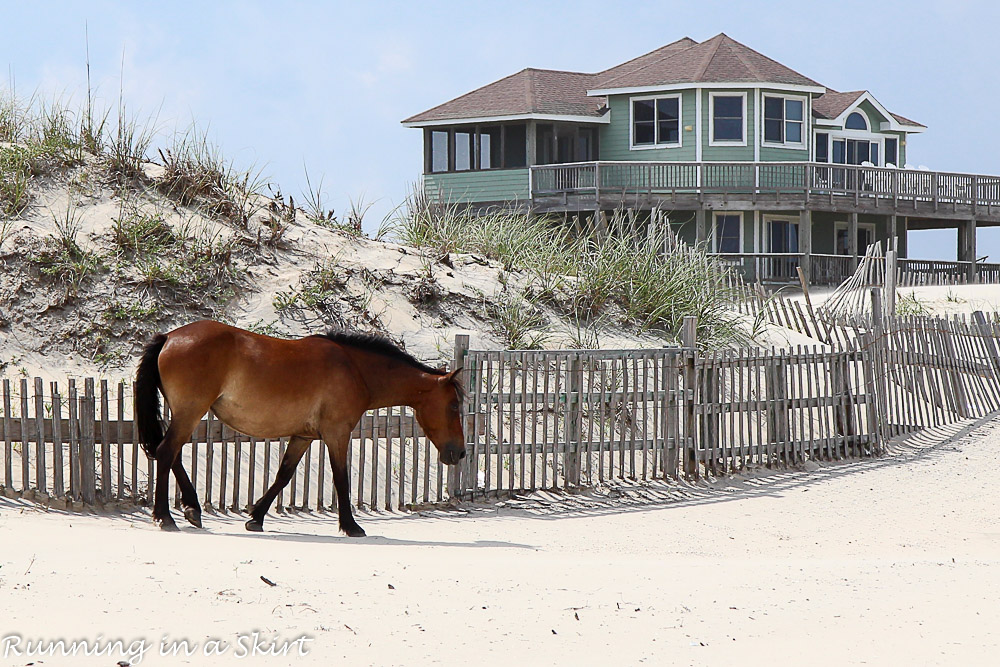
pixel 379 344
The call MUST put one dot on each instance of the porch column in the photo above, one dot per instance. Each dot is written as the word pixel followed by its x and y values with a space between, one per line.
pixel 852 238
pixel 967 246
pixel 530 135
pixel 805 243
pixel 902 224
pixel 701 226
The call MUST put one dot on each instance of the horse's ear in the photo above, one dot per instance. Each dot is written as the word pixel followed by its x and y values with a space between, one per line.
pixel 450 377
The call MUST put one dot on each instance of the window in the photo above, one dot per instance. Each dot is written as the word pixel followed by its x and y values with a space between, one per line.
pixel 783 236
pixel 515 146
pixel 728 228
pixel 856 122
pixel 489 147
pixel 439 150
pixel 891 152
pixel 783 120
pixel 586 141
pixel 656 121
pixel 727 114
pixel 464 149
pixel 486 147
pixel 822 147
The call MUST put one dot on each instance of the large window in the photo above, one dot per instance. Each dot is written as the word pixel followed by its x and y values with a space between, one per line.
pixel 728 232
pixel 783 120
pixel 656 121
pixel 728 114
pixel 469 148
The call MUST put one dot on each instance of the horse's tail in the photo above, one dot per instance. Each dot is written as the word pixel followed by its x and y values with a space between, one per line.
pixel 147 396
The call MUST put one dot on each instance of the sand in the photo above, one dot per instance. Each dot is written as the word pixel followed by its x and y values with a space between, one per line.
pixel 886 562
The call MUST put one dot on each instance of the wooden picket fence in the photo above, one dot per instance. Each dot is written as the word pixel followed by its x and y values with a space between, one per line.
pixel 543 420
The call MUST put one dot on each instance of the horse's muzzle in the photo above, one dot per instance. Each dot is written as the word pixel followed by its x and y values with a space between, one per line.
pixel 452 455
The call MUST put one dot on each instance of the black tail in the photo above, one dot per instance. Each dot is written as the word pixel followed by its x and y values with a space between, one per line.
pixel 147 396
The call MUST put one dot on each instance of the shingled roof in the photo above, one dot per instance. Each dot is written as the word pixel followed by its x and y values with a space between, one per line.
pixel 558 93
pixel 720 59
pixel 832 103
pixel 530 91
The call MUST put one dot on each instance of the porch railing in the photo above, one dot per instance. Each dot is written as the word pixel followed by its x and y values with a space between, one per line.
pixel 808 179
pixel 781 267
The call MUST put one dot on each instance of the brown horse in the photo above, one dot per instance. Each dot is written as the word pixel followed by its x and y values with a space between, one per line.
pixel 315 387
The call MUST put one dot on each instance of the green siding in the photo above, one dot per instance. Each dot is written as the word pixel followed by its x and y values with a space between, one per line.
pixel 469 187
pixel 875 119
pixel 615 136
pixel 727 153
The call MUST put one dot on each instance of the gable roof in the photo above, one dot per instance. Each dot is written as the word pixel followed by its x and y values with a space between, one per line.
pixel 719 60
pixel 833 104
pixel 530 91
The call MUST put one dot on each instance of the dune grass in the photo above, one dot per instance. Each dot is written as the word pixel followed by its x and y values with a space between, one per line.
pixel 624 273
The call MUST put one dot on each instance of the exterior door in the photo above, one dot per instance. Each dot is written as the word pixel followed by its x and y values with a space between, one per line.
pixel 782 237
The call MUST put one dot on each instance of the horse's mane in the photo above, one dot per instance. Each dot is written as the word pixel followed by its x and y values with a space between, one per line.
pixel 382 345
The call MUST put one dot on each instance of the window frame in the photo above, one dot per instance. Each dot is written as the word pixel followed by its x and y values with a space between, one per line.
pixel 715 230
pixel 475 164
pixel 863 116
pixel 656 122
pixel 784 143
pixel 711 118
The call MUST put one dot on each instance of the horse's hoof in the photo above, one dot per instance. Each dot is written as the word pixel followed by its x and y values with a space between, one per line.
pixel 254 526
pixel 354 531
pixel 193 515
pixel 169 526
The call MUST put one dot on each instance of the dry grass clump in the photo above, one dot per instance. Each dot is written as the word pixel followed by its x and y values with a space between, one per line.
pixel 196 174
pixel 61 257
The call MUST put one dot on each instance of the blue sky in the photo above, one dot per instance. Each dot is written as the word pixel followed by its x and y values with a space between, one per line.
pixel 325 84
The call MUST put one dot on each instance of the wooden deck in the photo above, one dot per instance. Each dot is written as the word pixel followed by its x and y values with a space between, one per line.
pixel 747 186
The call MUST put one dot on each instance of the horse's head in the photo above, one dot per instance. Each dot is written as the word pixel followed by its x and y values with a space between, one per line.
pixel 439 414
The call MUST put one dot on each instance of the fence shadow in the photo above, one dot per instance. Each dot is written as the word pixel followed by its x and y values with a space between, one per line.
pixel 657 494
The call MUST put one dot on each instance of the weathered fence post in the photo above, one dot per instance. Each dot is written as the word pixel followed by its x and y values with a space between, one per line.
pixel 843 415
pixel 88 468
pixel 869 358
pixel 776 388
pixel 8 470
pixel 890 283
pixel 689 444
pixel 574 421
pixel 455 476
pixel 40 467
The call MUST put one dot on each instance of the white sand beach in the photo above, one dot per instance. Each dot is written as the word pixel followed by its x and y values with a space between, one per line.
pixel 893 561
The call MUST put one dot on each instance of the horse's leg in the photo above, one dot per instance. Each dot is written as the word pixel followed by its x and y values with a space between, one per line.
pixel 167 454
pixel 337 447
pixel 189 496
pixel 297 446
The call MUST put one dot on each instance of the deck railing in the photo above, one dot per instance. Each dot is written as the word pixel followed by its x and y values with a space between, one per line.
pixel 769 267
pixel 809 179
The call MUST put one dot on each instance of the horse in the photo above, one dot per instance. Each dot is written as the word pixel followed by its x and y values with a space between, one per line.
pixel 313 387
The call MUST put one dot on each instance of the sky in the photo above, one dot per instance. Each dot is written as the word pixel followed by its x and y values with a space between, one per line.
pixel 289 86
